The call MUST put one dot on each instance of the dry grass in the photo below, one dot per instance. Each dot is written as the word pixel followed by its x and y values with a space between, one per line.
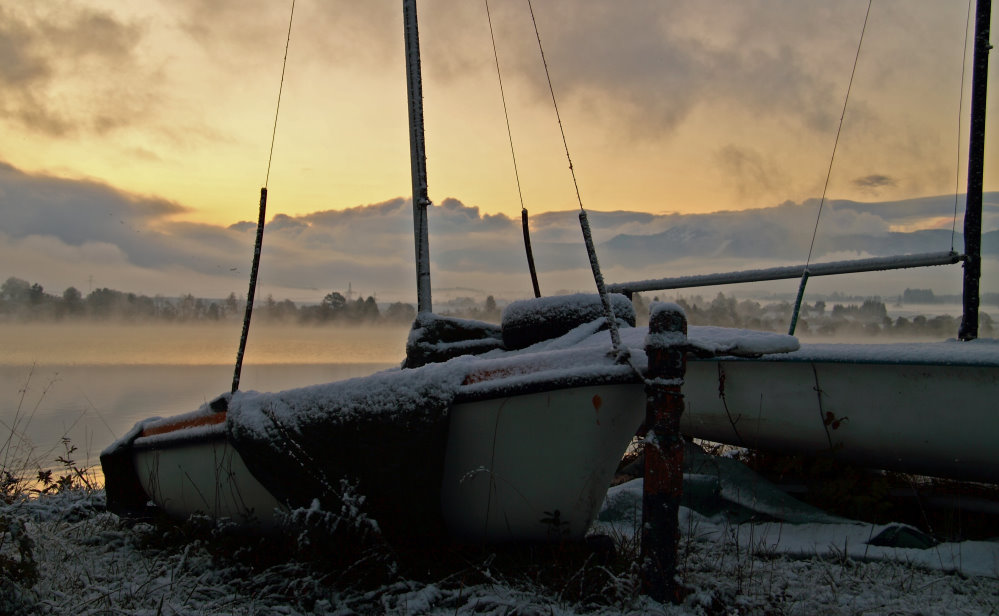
pixel 62 553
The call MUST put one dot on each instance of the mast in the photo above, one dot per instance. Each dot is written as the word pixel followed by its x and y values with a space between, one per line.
pixel 418 156
pixel 976 164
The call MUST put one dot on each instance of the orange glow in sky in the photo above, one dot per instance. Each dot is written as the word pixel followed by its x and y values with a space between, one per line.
pixel 666 106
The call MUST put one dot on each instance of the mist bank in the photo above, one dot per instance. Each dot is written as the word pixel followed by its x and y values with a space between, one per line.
pixel 68 343
pixel 107 341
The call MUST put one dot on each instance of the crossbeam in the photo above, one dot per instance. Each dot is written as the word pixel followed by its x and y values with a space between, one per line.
pixel 830 268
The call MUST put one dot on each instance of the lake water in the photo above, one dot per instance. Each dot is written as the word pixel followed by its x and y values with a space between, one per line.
pixel 91 383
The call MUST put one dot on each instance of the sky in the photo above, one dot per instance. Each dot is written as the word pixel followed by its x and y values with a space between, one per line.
pixel 136 135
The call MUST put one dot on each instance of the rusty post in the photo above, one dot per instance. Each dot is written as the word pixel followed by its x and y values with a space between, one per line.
pixel 665 347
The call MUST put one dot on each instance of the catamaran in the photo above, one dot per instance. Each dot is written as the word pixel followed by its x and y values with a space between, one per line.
pixel 487 432
pixel 919 408
pixel 513 431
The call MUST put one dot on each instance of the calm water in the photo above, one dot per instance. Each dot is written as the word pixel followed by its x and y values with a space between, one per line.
pixel 92 383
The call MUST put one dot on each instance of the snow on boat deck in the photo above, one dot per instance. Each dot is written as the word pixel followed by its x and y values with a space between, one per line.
pixel 982 352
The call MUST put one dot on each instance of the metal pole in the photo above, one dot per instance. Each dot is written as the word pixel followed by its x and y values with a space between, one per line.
pixel 873 264
pixel 530 253
pixel 252 291
pixel 976 163
pixel 598 278
pixel 663 484
pixel 797 303
pixel 417 156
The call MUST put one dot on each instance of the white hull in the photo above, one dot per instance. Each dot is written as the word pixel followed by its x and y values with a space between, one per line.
pixel 502 456
pixel 919 418
pixel 536 466
pixel 185 476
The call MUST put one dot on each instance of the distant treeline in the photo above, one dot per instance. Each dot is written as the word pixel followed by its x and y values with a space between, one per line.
pixel 854 317
pixel 22 300
pixel 868 318
pixel 926 296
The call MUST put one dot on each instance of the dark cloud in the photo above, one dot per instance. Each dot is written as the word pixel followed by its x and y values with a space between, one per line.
pixel 620 218
pixel 647 68
pixel 20 64
pixel 909 211
pixel 57 229
pixel 75 211
pixel 84 216
pixel 782 233
pixel 368 33
pixel 280 222
pixel 871 183
pixel 218 24
pixel 56 54
pixel 79 213
pixel 453 216
pixel 243 225
pixel 643 70
pixel 318 250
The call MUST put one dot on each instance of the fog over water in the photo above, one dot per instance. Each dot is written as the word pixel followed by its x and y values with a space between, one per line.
pixel 92 382
pixel 95 343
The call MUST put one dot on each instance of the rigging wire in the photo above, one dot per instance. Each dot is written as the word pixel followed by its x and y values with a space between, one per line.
pixel 277 108
pixel 506 115
pixel 555 105
pixel 584 222
pixel 513 156
pixel 839 130
pixel 261 216
pixel 825 187
pixel 960 107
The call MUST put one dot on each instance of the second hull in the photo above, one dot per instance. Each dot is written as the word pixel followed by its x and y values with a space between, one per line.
pixel 940 420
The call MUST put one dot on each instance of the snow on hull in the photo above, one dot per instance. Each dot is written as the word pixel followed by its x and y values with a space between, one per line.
pixel 980 352
pixel 387 436
pixel 527 467
pixel 517 446
pixel 380 436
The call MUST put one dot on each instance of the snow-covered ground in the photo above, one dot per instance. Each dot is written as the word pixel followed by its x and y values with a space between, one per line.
pixel 753 550
pixel 89 561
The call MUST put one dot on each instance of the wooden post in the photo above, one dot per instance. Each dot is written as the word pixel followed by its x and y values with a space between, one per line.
pixel 665 347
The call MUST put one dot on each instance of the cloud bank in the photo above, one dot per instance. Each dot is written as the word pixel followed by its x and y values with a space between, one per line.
pixel 61 233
